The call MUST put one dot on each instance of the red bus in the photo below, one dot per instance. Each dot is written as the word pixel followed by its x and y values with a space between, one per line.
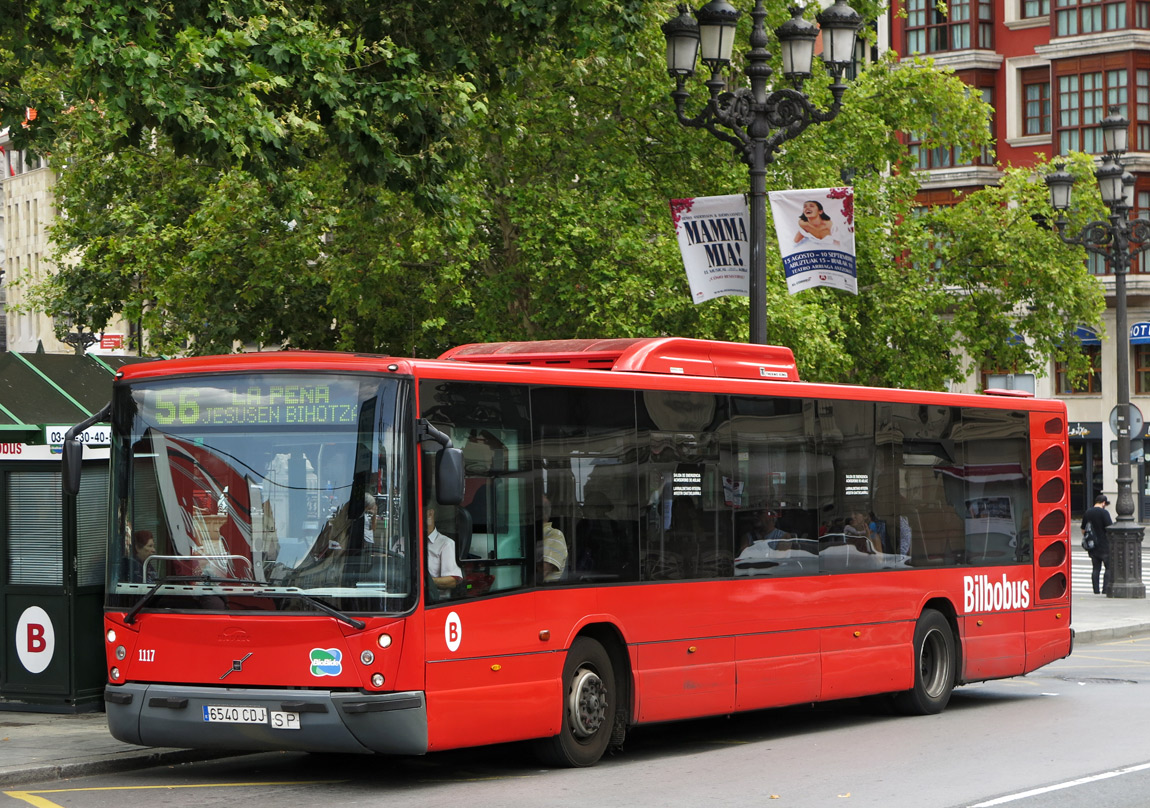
pixel 560 541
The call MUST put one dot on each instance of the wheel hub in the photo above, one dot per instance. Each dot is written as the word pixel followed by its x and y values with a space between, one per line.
pixel 588 703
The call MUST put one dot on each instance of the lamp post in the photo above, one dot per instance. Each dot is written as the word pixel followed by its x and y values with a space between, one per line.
pixel 1117 240
pixel 755 122
pixel 77 337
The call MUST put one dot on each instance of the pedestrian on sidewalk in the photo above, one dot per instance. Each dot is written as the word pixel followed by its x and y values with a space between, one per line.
pixel 1098 518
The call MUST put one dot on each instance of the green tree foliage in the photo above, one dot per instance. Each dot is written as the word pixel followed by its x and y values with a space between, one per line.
pixel 501 172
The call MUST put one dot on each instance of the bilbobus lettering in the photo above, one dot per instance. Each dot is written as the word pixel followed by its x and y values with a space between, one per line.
pixel 980 595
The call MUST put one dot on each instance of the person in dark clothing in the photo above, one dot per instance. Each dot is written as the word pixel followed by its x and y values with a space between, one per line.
pixel 1099 519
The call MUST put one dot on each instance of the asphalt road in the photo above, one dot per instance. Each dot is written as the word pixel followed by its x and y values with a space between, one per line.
pixel 1074 734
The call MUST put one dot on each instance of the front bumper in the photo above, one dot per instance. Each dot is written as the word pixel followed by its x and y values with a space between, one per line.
pixel 329 721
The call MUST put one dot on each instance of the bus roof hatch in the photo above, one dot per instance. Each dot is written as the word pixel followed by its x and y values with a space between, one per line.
pixel 668 355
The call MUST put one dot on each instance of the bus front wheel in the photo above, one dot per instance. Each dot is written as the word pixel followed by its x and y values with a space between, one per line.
pixel 588 707
pixel 934 669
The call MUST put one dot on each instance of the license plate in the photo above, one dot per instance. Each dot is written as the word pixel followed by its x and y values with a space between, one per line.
pixel 235 715
pixel 284 720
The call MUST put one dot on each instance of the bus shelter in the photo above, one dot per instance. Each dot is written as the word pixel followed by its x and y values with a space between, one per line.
pixel 52 546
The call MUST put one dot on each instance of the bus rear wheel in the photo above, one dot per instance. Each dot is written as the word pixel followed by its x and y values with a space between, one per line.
pixel 588 707
pixel 934 670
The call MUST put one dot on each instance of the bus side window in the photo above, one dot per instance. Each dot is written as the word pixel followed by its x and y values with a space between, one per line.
pixel 492 527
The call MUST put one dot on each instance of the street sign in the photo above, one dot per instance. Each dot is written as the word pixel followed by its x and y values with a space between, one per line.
pixel 1135 425
pixel 99 435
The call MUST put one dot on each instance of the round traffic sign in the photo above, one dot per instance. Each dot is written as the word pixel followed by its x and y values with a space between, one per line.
pixel 1135 424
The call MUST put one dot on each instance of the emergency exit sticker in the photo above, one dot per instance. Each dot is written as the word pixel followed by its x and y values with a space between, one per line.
pixel 35 639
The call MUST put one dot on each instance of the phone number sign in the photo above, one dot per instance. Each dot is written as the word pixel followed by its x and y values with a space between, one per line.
pixel 92 436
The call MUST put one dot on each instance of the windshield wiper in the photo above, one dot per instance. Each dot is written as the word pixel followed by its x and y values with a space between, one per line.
pixel 319 604
pixel 130 617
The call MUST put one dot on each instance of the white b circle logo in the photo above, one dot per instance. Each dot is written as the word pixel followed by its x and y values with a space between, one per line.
pixel 453 631
pixel 35 639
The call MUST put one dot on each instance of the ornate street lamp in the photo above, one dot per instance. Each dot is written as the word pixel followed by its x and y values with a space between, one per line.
pixel 74 334
pixel 1117 240
pixel 755 122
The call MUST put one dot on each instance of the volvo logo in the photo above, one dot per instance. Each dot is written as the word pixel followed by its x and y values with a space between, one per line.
pixel 237 665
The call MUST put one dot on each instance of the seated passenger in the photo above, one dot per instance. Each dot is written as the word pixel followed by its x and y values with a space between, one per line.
pixel 765 529
pixel 552 556
pixel 442 567
pixel 135 568
pixel 858 529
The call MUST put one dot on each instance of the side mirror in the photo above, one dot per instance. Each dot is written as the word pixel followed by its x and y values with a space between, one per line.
pixel 73 461
pixel 73 457
pixel 449 476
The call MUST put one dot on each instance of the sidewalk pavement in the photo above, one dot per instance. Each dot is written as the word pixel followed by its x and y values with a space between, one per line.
pixel 37 747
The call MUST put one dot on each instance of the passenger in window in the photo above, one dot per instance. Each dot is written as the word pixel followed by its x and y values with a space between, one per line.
pixel 369 512
pixel 904 535
pixel 136 568
pixel 552 552
pixel 765 528
pixel 877 528
pixel 442 567
pixel 858 529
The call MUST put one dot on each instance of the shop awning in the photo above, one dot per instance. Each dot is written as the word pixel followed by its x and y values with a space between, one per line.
pixel 1140 334
pixel 1087 336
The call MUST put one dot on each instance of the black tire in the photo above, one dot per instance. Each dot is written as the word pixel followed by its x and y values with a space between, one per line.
pixel 934 667
pixel 589 701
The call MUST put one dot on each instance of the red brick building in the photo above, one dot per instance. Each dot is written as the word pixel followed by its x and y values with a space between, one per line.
pixel 1052 69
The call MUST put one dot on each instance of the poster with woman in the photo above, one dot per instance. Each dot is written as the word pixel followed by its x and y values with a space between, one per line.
pixel 815 227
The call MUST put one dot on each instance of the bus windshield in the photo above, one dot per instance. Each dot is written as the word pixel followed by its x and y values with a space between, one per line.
pixel 272 491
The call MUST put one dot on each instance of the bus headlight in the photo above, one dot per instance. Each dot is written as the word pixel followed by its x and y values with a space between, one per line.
pixel 377 680
pixel 384 640
pixel 115 674
pixel 121 652
pixel 111 636
pixel 367 657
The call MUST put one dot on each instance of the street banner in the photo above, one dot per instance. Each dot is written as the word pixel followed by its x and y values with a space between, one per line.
pixel 816 230
pixel 712 233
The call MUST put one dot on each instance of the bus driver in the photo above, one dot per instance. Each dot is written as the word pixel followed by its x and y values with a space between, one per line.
pixel 441 564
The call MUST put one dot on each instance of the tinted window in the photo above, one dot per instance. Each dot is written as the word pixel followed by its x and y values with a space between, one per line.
pixel 491 531
pixel 587 476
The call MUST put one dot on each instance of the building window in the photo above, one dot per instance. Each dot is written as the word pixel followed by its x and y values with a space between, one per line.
pixel 958 25
pixel 1091 383
pixel 948 157
pixel 1142 109
pixel 1035 8
pixel 1142 369
pixel 1082 102
pixel 1036 98
pixel 1073 17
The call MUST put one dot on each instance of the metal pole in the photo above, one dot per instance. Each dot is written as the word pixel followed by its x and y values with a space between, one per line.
pixel 758 237
pixel 1124 537
pixel 756 122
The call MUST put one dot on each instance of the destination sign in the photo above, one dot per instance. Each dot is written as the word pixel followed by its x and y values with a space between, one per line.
pixel 253 401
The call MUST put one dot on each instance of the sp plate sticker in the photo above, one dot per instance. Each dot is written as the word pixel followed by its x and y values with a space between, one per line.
pixel 326 662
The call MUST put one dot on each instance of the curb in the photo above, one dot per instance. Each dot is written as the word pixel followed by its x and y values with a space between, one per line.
pixel 109 765
pixel 1110 633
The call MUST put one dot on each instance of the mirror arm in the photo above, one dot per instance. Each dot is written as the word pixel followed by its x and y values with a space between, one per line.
pixel 102 415
pixel 426 430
